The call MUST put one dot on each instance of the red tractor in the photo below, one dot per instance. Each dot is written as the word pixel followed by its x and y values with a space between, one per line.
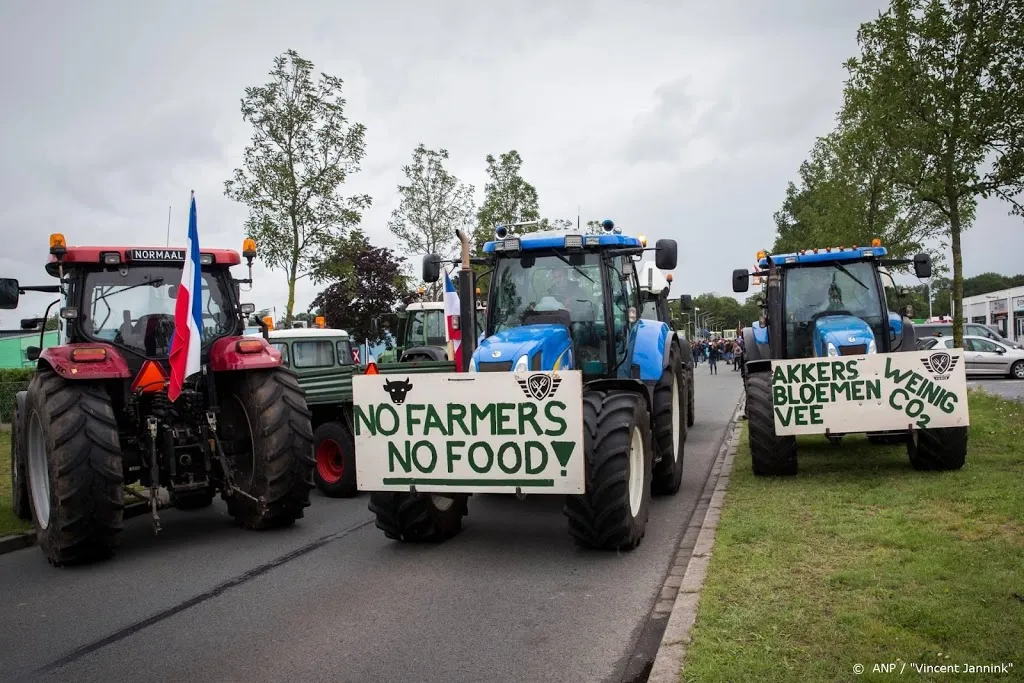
pixel 96 417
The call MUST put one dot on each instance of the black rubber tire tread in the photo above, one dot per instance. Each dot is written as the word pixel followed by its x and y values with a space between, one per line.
pixel 1013 368
pixel 85 468
pixel 414 518
pixel 938 450
pixel 668 471
pixel 771 455
pixel 691 408
pixel 601 517
pixel 19 479
pixel 338 432
pixel 282 439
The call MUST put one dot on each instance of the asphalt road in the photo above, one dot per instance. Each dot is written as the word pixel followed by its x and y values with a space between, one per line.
pixel 331 599
pixel 1007 388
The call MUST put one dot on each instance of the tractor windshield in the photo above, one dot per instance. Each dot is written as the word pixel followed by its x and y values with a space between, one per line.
pixel 833 289
pixel 134 307
pixel 426 328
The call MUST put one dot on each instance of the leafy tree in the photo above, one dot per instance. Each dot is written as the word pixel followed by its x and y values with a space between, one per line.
pixel 939 85
pixel 302 151
pixel 433 205
pixel 52 323
pixel 507 198
pixel 366 282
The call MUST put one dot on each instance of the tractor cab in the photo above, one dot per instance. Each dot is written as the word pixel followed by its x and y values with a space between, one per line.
pixel 830 302
pixel 564 301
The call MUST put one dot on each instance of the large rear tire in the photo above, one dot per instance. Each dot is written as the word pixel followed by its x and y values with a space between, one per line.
pixel 938 450
pixel 335 449
pixel 691 408
pixel 418 517
pixel 670 398
pixel 74 463
pixel 19 478
pixel 265 420
pixel 612 513
pixel 771 455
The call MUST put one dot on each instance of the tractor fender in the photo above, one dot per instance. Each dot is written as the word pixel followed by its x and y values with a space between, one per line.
pixel 753 348
pixel 61 360
pixel 434 353
pixel 225 356
pixel 650 349
pixel 644 389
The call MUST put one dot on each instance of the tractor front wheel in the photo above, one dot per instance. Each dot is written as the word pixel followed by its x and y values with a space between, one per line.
pixel 612 513
pixel 418 517
pixel 669 427
pixel 73 462
pixel 265 430
pixel 335 448
pixel 19 478
pixel 937 450
pixel 772 455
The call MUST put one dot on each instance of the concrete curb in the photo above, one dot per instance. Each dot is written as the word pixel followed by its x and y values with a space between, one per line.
pixel 668 664
pixel 8 544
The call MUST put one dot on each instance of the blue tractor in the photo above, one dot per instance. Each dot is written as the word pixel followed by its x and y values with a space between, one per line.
pixel 825 303
pixel 572 301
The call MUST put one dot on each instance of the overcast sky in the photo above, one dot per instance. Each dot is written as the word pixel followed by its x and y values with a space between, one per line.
pixel 676 118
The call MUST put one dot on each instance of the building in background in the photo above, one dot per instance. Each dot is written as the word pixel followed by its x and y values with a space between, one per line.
pixel 13 347
pixel 1003 310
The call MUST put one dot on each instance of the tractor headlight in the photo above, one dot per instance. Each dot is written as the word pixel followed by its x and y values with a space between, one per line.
pixel 522 364
pixel 872 348
pixel 832 349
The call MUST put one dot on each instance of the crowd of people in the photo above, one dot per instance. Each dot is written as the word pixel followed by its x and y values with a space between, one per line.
pixel 714 350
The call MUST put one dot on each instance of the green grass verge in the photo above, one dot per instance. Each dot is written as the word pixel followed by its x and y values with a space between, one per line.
pixel 9 523
pixel 861 560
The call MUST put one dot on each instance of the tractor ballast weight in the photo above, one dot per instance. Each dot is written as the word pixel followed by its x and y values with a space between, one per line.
pixel 96 416
pixel 571 302
pixel 829 303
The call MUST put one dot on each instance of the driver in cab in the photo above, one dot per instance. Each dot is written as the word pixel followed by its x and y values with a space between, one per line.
pixel 562 292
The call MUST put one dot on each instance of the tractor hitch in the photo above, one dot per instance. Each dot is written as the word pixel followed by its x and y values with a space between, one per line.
pixel 230 488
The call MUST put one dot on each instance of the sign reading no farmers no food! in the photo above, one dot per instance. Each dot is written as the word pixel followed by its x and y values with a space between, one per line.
pixel 880 392
pixel 470 432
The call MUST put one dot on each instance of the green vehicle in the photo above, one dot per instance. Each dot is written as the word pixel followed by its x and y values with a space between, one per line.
pixel 324 362
pixel 423 333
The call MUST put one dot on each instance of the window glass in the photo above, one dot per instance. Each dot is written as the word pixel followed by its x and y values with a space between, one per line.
pixel 283 348
pixel 345 356
pixel 985 346
pixel 313 354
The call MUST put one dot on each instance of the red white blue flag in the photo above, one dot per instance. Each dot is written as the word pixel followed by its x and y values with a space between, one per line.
pixel 188 313
pixel 451 309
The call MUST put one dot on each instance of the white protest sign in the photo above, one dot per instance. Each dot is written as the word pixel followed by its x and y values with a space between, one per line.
pixel 875 393
pixel 470 432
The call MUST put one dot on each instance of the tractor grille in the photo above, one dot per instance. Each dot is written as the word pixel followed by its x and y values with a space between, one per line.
pixel 494 367
pixel 857 350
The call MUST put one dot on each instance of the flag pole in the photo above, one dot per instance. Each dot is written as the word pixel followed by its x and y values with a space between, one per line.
pixel 168 226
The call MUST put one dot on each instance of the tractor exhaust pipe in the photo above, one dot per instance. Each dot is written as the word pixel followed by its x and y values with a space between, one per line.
pixel 467 302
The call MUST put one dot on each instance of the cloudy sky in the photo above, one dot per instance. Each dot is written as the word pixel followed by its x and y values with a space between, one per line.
pixel 675 118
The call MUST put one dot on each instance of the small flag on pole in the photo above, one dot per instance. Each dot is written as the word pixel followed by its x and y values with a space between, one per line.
pixel 188 313
pixel 452 309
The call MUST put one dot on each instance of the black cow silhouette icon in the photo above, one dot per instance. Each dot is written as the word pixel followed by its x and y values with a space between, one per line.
pixel 397 390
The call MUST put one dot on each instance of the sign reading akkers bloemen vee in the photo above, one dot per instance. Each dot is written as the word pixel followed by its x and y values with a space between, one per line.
pixel 880 392
pixel 470 432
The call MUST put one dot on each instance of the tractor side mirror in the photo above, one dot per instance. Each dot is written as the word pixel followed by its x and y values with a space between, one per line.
pixel 922 266
pixel 431 268
pixel 665 254
pixel 9 293
pixel 32 353
pixel 740 280
pixel 32 323
pixel 685 302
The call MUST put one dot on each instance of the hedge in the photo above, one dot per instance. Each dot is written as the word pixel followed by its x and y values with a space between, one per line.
pixel 12 380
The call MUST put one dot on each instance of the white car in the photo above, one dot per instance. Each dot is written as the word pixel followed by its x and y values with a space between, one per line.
pixel 984 356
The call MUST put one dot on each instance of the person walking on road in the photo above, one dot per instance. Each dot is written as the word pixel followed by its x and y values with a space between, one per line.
pixel 713 359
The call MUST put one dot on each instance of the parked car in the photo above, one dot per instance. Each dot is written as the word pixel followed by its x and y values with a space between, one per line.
pixel 984 356
pixel 972 329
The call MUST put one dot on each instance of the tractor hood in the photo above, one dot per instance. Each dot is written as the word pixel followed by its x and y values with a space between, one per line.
pixel 544 346
pixel 843 335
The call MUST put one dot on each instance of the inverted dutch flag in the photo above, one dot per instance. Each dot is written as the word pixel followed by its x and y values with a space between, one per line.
pixel 188 313
pixel 451 309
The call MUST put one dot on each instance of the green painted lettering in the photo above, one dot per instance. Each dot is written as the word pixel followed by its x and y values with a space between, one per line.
pixel 505 448
pixel 893 374
pixel 857 391
pixel 874 387
pixel 392 413
pixel 822 367
pixel 457 414
pixel 816 418
pixel 395 455
pixel 778 375
pixel 838 370
pixel 481 414
pixel 364 419
pixel 805 373
pixel 851 370
pixel 840 388
pixel 535 446
pixel 785 416
pixel 503 415
pixel 410 417
pixel 489 463
pixel 528 414
pixel 892 398
pixel 800 416
pixel 557 419
pixel 431 464
pixel 793 374
pixel 779 394
pixel 452 456
pixel 949 402
pixel 807 393
pixel 914 380
pixel 433 421
pixel 821 393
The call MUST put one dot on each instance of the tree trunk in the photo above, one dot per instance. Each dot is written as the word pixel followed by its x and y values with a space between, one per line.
pixel 958 272
pixel 291 293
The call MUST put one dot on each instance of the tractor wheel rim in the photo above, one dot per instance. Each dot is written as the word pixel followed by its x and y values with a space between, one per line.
pixel 330 462
pixel 1018 370
pixel 442 503
pixel 38 471
pixel 636 471
pixel 676 414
